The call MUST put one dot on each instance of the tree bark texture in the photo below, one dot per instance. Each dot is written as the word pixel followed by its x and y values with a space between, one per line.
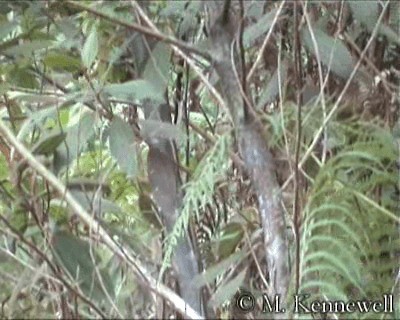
pixel 257 158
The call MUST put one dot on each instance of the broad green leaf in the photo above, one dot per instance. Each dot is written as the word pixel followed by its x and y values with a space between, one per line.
pixel 19 219
pixel 62 62
pixel 213 272
pixel 389 33
pixel 189 25
pixel 74 255
pixel 92 203
pixel 272 88
pixel 90 48
pixel 173 8
pixel 157 67
pixel 26 49
pixel 332 52
pixel 48 143
pixel 232 234
pixel 77 137
pixel 22 77
pixel 255 9
pixel 37 118
pixel 122 146
pixel 253 32
pixel 227 291
pixel 135 90
pixel 365 12
pixel 140 47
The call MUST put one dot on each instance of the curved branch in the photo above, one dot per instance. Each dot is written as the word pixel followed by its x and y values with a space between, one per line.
pixel 141 273
pixel 257 158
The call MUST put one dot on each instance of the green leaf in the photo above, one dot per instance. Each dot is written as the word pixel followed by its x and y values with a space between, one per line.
pixel 272 88
pixel 255 9
pixel 22 77
pixel 256 30
pixel 49 143
pixel 386 31
pixel 26 49
pixel 135 90
pixel 332 52
pixel 189 24
pixel 19 219
pixel 232 234
pixel 91 203
pixel 62 62
pixel 365 12
pixel 90 48
pixel 157 67
pixel 227 291
pixel 122 146
pixel 213 272
pixel 77 137
pixel 74 255
pixel 37 117
pixel 173 8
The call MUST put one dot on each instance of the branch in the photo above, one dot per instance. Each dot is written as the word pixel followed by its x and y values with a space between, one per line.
pixel 137 27
pixel 257 158
pixel 189 60
pixel 141 273
pixel 53 268
pixel 263 46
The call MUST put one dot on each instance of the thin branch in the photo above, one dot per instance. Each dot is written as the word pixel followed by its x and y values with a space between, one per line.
pixel 50 264
pixel 323 82
pixel 142 274
pixel 339 99
pixel 257 158
pixel 137 27
pixel 189 60
pixel 299 102
pixel 260 53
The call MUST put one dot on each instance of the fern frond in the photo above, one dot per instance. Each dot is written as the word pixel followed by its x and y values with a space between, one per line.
pixel 349 236
pixel 199 192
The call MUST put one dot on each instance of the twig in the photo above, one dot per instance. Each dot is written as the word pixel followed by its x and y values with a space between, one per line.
pixel 137 27
pixel 142 274
pixel 339 100
pixel 189 60
pixel 254 67
pixel 299 102
pixel 50 264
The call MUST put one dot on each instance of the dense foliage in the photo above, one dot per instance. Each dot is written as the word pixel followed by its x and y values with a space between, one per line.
pixel 112 111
